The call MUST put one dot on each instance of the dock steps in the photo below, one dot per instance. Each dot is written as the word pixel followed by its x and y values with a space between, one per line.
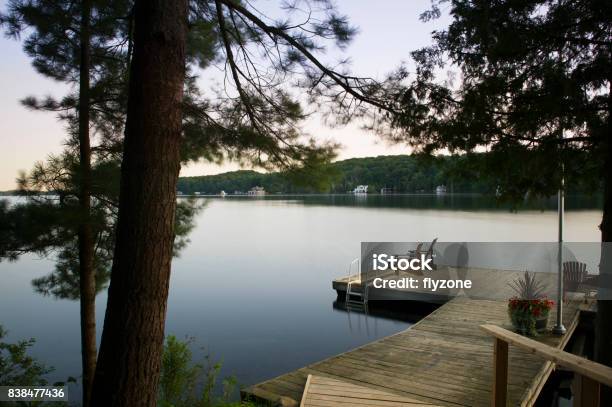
pixel 356 298
pixel 356 295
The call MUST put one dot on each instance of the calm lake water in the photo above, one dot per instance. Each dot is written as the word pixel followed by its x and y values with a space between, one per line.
pixel 253 287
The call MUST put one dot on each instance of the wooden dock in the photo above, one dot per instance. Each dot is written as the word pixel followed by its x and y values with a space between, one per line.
pixel 444 359
pixel 487 283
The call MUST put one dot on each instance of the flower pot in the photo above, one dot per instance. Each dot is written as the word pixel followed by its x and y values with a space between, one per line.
pixel 525 323
pixel 541 323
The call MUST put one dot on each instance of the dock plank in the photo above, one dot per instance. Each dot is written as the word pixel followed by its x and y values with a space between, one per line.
pixel 444 359
pixel 321 391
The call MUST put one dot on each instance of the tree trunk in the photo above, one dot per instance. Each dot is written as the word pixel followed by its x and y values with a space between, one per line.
pixel 603 319
pixel 87 276
pixel 129 362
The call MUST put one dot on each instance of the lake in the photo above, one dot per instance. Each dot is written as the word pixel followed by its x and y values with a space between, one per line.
pixel 253 286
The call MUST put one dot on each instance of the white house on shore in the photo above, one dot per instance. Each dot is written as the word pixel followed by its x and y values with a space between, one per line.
pixel 361 189
pixel 257 191
pixel 440 189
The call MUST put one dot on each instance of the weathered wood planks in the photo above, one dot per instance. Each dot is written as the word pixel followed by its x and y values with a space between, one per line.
pixel 321 391
pixel 444 359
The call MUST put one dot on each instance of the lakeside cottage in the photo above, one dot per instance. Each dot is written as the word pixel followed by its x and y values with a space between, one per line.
pixel 361 189
pixel 257 191
pixel 440 189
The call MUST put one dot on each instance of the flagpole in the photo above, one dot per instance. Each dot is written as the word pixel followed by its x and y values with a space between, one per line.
pixel 559 329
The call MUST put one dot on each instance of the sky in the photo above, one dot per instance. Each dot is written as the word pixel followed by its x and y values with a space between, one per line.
pixel 388 31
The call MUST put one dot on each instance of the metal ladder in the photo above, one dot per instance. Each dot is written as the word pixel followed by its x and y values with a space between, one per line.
pixel 356 297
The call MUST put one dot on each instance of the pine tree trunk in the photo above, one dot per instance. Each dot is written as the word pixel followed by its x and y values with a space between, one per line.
pixel 129 362
pixel 603 320
pixel 87 276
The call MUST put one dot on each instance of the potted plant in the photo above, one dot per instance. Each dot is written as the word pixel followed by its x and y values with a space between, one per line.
pixel 529 308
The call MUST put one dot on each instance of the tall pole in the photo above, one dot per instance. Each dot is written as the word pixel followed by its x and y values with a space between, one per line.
pixel 559 329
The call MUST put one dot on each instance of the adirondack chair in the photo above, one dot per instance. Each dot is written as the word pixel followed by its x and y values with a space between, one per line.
pixel 412 254
pixel 430 251
pixel 574 276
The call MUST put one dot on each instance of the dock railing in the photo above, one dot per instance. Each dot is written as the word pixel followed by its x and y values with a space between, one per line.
pixel 589 375
pixel 356 262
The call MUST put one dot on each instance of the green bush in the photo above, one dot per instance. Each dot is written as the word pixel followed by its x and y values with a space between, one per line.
pixel 187 384
pixel 17 368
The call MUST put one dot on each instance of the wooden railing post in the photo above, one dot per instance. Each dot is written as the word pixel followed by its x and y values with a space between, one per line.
pixel 500 371
pixel 586 391
pixel 590 376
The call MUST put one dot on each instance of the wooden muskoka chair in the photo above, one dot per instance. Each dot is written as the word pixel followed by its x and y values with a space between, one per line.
pixel 416 254
pixel 574 275
pixel 419 250
pixel 411 254
pixel 430 251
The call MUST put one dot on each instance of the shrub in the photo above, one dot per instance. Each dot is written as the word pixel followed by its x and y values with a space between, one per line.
pixel 187 384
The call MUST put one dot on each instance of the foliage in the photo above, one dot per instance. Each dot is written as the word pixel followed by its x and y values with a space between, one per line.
pixel 524 314
pixel 528 287
pixel 537 308
pixel 402 174
pixel 529 304
pixel 271 74
pixel 17 367
pixel 50 31
pixel 185 384
pixel 270 70
pixel 533 89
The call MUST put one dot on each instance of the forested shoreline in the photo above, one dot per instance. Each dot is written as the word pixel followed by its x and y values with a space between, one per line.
pixel 397 174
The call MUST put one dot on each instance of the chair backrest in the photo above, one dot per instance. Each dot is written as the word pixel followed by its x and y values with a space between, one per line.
pixel 574 274
pixel 431 247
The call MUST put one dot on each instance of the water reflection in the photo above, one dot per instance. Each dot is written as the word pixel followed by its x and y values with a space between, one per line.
pixel 473 202
pixel 359 320
pixel 47 227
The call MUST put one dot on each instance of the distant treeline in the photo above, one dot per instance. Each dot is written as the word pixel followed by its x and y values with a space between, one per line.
pixel 398 174
pixel 10 192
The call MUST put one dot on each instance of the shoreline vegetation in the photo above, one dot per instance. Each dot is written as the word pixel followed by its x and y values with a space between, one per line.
pixel 398 174
pixel 388 175
pixel 184 382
